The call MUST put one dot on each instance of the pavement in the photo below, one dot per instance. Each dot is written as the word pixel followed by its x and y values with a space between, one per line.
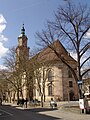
pixel 68 106
pixel 64 111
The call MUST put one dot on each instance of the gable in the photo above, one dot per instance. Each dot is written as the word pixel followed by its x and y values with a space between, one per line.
pixel 48 55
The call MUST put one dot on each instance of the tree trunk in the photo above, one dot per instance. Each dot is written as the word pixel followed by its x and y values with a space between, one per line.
pixel 17 95
pixel 41 100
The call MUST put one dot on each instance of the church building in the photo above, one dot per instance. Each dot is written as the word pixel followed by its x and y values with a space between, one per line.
pixel 55 78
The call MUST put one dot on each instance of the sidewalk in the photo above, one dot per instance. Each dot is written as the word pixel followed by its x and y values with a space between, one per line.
pixel 21 107
pixel 60 105
pixel 65 110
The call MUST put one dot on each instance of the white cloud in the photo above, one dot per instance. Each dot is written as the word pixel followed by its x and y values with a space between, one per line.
pixel 3 39
pixel 2 23
pixel 2 19
pixel 3 50
pixel 2 67
pixel 84 57
pixel 74 55
pixel 2 27
pixel 87 34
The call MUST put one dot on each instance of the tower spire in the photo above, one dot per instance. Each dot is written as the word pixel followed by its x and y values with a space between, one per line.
pixel 23 30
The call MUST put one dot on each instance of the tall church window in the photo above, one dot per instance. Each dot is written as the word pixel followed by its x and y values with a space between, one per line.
pixel 39 77
pixel 50 75
pixel 70 84
pixel 69 74
pixel 50 90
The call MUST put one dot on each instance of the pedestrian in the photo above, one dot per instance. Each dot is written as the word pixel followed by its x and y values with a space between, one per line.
pixel 22 102
pixel 53 104
pixel 26 102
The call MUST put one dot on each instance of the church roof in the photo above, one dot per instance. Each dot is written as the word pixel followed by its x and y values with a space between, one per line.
pixel 48 54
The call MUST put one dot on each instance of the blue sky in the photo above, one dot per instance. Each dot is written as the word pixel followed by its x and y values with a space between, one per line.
pixel 33 13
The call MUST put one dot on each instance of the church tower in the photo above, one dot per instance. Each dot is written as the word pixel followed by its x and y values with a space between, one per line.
pixel 22 61
pixel 22 51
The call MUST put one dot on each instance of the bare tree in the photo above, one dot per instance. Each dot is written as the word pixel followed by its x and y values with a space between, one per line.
pixel 71 27
pixel 18 73
pixel 3 87
pixel 41 75
pixel 41 69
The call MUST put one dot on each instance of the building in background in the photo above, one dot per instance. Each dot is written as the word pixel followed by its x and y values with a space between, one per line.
pixel 86 85
pixel 55 78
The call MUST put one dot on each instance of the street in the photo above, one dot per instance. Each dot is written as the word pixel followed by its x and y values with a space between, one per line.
pixel 12 113
pixel 8 112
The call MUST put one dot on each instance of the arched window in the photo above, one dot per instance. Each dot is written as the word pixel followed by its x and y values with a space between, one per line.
pixel 50 75
pixel 70 84
pixel 71 95
pixel 50 90
pixel 69 74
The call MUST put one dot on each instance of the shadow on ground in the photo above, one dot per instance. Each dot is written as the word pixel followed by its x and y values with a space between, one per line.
pixel 28 114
